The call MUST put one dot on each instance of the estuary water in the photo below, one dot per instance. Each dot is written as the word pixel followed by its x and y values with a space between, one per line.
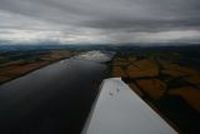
pixel 55 99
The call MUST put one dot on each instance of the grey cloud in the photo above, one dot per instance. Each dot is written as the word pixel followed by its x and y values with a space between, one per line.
pixel 143 25
pixel 103 16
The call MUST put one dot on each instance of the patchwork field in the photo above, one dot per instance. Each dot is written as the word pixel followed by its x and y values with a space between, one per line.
pixel 172 89
pixel 15 64
pixel 167 78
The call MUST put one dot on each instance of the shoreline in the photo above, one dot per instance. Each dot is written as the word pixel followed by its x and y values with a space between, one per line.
pixel 32 70
pixel 48 94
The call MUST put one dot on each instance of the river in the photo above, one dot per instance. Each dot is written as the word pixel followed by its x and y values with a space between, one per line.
pixel 55 99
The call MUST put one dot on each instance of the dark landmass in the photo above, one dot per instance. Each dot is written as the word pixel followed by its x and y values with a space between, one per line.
pixel 18 62
pixel 166 77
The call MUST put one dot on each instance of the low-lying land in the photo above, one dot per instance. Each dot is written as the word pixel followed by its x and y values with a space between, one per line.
pixel 171 88
pixel 15 64
pixel 167 78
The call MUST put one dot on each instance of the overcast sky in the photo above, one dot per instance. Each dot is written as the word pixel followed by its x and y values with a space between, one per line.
pixel 99 21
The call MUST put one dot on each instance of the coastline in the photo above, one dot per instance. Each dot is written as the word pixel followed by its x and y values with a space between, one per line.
pixel 34 69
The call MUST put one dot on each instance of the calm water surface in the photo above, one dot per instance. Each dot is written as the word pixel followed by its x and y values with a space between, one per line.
pixel 54 100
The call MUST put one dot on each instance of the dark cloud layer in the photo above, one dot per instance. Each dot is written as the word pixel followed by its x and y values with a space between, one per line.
pixel 102 20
